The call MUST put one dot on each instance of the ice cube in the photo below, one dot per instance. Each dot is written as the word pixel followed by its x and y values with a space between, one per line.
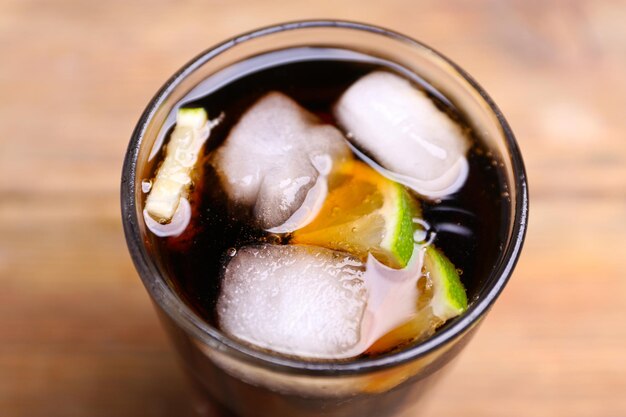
pixel 276 160
pixel 392 296
pixel 297 300
pixel 314 302
pixel 176 226
pixel 402 129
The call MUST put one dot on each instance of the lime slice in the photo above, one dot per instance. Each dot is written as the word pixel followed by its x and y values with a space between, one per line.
pixel 173 177
pixel 364 213
pixel 441 297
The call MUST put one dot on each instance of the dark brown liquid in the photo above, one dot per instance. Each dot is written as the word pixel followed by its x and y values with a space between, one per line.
pixel 470 225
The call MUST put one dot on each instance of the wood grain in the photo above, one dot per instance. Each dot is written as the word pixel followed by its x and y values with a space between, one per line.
pixel 77 333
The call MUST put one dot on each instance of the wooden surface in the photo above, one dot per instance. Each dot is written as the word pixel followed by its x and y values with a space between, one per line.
pixel 78 336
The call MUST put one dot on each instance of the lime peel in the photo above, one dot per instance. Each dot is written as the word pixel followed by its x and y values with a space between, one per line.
pixel 449 297
pixel 400 241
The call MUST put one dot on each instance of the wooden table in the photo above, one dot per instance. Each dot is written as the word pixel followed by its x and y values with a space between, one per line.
pixel 78 336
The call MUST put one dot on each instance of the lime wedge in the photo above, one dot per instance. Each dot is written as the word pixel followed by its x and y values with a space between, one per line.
pixel 441 297
pixel 364 213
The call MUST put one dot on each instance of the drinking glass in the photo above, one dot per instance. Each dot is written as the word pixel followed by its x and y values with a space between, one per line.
pixel 248 382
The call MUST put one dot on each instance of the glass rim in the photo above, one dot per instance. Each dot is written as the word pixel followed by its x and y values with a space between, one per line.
pixel 168 301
